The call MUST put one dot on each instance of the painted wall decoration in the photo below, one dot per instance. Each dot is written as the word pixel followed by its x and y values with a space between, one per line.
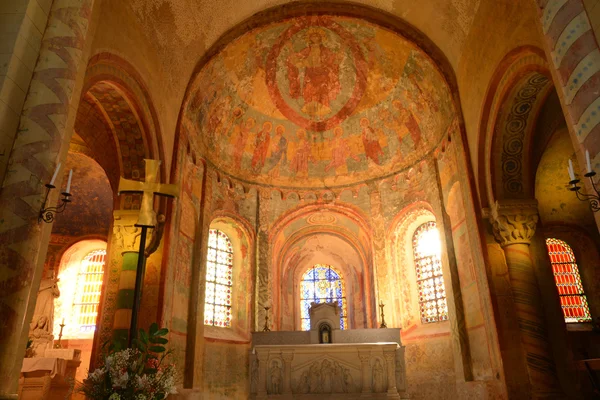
pixel 315 101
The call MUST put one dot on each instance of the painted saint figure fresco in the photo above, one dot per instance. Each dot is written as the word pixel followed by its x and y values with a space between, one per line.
pixel 278 150
pixel 340 150
pixel 261 146
pixel 302 156
pixel 240 138
pixel 370 141
pixel 320 67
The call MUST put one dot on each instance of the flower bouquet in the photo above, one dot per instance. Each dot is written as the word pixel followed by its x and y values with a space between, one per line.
pixel 138 373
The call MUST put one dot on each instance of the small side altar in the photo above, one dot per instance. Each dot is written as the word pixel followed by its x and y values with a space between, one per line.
pixel 326 362
pixel 51 377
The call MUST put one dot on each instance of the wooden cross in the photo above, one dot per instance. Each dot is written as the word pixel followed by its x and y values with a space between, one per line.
pixel 146 219
pixel 149 188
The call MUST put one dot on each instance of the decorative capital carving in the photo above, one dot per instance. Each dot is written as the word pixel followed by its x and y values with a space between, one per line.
pixel 389 356
pixel 364 357
pixel 287 357
pixel 514 221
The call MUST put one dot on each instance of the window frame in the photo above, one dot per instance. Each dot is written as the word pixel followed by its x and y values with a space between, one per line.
pixel 80 292
pixel 229 307
pixel 417 260
pixel 584 304
pixel 343 310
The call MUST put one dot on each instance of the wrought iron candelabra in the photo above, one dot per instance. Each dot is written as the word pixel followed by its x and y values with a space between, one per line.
pixel 47 214
pixel 593 199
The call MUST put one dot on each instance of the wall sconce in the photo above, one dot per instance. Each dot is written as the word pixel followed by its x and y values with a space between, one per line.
pixel 47 214
pixel 594 199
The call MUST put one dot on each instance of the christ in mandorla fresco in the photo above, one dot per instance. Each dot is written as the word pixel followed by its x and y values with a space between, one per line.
pixel 321 82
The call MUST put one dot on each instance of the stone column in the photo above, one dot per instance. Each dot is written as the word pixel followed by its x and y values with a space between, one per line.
pixel 390 360
pixel 263 358
pixel 365 370
pixel 514 224
pixel 41 142
pixel 287 371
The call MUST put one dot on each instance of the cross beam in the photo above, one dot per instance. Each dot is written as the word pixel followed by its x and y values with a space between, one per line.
pixel 146 219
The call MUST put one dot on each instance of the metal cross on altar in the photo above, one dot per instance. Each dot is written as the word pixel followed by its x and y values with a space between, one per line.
pixel 146 219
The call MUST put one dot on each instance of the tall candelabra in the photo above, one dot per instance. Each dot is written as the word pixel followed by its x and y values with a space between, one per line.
pixel 383 324
pixel 266 327
pixel 593 199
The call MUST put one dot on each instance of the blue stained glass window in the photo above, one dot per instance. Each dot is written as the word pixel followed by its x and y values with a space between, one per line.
pixel 322 284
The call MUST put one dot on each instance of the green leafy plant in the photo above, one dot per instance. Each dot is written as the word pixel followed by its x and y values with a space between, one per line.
pixel 138 373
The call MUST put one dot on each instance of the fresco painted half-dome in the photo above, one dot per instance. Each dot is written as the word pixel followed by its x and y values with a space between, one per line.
pixel 318 102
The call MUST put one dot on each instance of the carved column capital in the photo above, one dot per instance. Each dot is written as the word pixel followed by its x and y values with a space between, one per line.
pixel 514 221
pixel 287 357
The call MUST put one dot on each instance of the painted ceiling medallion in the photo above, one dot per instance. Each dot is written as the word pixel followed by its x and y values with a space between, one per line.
pixel 320 101
pixel 321 218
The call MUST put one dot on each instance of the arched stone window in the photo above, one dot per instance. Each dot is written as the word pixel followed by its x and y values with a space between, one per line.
pixel 568 282
pixel 322 284
pixel 88 290
pixel 219 268
pixel 80 277
pixel 430 282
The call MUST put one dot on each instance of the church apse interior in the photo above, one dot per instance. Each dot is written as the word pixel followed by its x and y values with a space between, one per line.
pixel 364 199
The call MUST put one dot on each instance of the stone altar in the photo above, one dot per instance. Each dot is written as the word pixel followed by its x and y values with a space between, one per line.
pixel 351 364
pixel 50 377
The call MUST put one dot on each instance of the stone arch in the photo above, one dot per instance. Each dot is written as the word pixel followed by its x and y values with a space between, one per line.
pixel 299 9
pixel 117 120
pixel 518 90
pixel 315 232
pixel 402 269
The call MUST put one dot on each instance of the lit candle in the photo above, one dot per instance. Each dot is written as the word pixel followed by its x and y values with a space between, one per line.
pixel 380 302
pixel 55 174
pixel 588 161
pixel 69 182
pixel 63 322
pixel 571 172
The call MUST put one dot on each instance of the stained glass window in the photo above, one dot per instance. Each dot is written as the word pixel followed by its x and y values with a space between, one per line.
pixel 430 282
pixel 219 266
pixel 322 284
pixel 568 282
pixel 88 289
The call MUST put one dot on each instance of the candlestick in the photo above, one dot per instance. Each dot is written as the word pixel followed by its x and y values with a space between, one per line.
pixel 383 324
pixel 59 345
pixel 588 161
pixel 571 172
pixel 69 182
pixel 55 175
pixel 266 327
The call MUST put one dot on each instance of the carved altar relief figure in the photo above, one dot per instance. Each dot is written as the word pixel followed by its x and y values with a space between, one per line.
pixel 304 385
pixel 315 378
pixel 275 378
pixel 348 381
pixel 378 377
pixel 326 376
pixel 338 378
